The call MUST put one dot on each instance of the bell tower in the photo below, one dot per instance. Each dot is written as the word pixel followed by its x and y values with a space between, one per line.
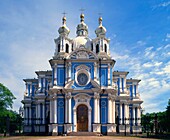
pixel 101 43
pixel 63 42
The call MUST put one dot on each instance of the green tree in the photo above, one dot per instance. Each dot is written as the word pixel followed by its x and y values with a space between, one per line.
pixel 6 98
pixel 163 121
pixel 168 116
pixel 6 101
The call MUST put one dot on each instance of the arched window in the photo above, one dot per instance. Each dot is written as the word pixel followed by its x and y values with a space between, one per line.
pixel 92 47
pixel 58 47
pixel 97 48
pixel 67 48
pixel 105 48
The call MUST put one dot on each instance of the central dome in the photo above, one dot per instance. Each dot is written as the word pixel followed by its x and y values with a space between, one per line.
pixel 82 42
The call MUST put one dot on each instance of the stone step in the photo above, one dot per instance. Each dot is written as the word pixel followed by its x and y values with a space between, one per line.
pixel 83 134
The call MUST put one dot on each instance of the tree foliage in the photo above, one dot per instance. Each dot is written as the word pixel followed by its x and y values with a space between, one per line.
pixel 168 116
pixel 7 116
pixel 149 120
pixel 6 98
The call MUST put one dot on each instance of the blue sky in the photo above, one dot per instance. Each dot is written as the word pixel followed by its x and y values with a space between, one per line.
pixel 139 31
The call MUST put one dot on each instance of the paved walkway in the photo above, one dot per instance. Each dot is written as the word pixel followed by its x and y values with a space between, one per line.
pixel 73 138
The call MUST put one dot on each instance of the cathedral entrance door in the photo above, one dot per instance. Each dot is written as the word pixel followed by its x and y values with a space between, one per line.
pixel 82 118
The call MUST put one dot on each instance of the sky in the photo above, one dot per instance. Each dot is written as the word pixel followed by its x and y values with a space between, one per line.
pixel 139 31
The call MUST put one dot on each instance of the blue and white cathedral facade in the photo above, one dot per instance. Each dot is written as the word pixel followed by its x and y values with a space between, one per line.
pixel 82 92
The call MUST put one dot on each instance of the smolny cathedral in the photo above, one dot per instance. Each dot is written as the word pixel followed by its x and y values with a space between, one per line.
pixel 82 92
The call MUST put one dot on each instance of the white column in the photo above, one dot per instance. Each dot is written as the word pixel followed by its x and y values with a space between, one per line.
pixel 102 45
pixel 109 82
pixel 43 113
pixel 120 83
pixel 121 113
pixel 75 120
pixel 55 74
pixel 66 110
pixel 89 124
pixel 109 110
pixel 64 44
pixel 124 84
pixel 126 112
pixel 70 116
pixel 133 90
pixel 26 88
pixel 55 110
pixel 36 114
pixel 30 89
pixel 44 83
pixel 136 88
pixel 30 115
pixel 51 111
pixel 95 110
pixel 39 113
pixel 138 115
pixel 98 111
pixel 134 115
pixel 113 113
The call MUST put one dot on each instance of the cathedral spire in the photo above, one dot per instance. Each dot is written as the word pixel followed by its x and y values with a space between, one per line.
pixel 82 28
pixel 82 17
pixel 64 18
pixel 100 21
pixel 101 30
pixel 64 30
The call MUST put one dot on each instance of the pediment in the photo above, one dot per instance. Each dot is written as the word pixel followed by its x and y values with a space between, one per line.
pixel 82 53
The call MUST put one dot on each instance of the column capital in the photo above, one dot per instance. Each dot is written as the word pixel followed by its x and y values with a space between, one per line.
pixel 111 97
pixel 96 95
pixel 68 95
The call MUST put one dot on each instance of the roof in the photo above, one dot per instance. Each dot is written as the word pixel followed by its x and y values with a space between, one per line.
pixel 120 73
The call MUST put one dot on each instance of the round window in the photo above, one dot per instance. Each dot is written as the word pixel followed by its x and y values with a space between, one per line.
pixel 82 79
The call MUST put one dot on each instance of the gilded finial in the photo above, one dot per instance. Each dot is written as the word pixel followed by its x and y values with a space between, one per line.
pixel 82 15
pixel 100 21
pixel 64 18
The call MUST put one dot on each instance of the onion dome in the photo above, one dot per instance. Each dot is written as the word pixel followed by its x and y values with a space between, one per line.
pixel 82 28
pixel 101 30
pixel 64 30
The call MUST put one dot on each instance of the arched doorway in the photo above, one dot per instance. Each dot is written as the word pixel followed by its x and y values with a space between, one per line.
pixel 82 118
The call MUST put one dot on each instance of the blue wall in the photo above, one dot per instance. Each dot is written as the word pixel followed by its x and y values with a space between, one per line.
pixel 104 110
pixel 60 76
pixel 104 77
pixel 118 85
pixel 60 109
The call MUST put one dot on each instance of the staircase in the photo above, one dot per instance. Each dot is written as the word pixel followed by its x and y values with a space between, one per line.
pixel 83 134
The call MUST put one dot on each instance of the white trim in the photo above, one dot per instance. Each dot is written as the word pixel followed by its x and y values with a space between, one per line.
pixel 82 69
pixel 84 99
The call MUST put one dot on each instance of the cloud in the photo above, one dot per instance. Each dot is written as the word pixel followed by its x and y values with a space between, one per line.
pixel 164 4
pixel 149 52
pixel 117 56
pixel 152 64
pixel 141 43
pixel 166 69
pixel 167 46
